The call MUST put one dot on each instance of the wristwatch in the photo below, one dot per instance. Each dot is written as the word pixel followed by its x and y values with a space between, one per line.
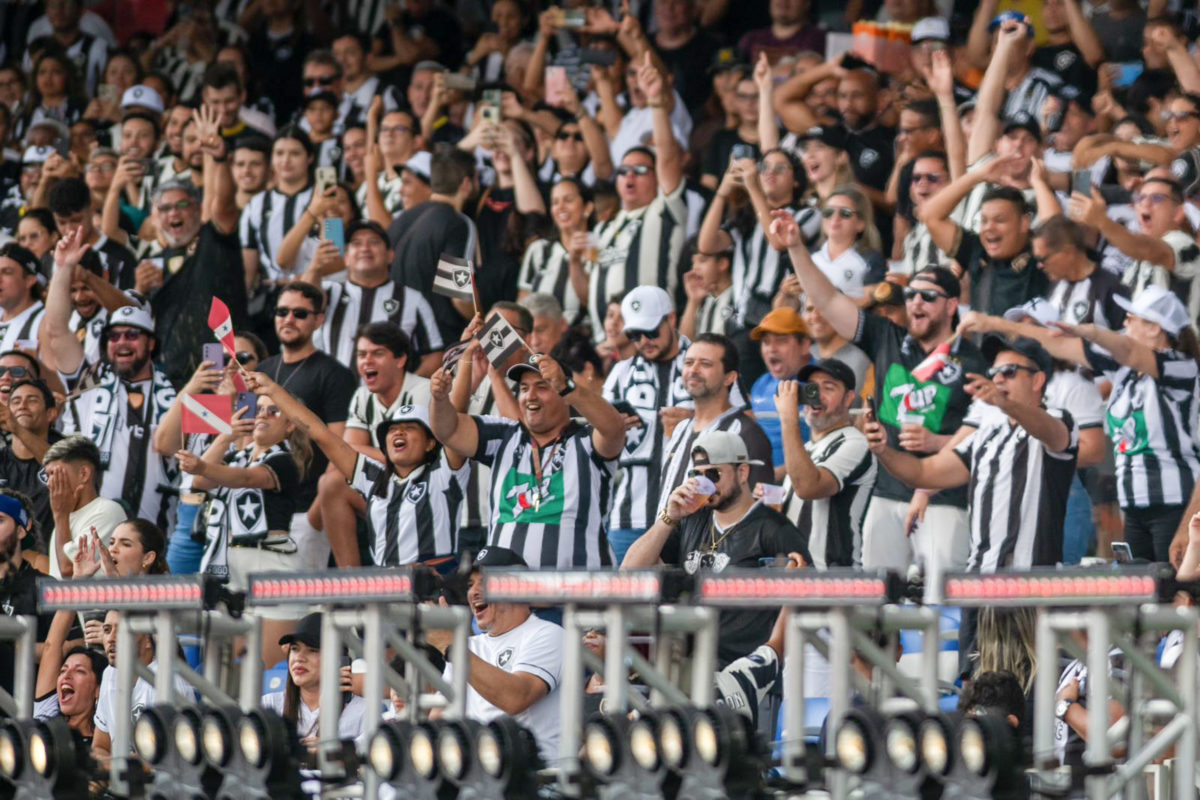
pixel 1061 708
pixel 568 388
pixel 667 519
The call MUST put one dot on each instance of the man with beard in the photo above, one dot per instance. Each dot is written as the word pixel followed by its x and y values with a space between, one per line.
pixel 550 474
pixel 126 399
pixel 370 295
pixel 326 386
pixel 712 522
pixel 651 384
pixel 919 413
pixel 20 309
pixel 829 480
pixel 198 260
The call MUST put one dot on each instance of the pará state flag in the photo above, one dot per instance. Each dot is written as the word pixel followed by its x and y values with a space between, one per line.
pixel 207 413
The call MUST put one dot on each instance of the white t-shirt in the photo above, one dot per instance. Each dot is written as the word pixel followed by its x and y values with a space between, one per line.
pixel 350 723
pixel 535 646
pixel 143 697
pixel 102 514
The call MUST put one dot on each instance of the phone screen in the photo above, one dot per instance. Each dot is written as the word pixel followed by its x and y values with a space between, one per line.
pixel 1081 182
pixel 249 401
pixel 213 352
pixel 336 233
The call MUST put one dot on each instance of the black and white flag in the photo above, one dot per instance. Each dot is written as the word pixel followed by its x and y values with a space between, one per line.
pixel 500 342
pixel 455 278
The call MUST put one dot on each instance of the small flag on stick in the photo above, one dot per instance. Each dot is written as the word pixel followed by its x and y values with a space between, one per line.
pixel 500 342
pixel 221 323
pixel 933 362
pixel 207 413
pixel 455 278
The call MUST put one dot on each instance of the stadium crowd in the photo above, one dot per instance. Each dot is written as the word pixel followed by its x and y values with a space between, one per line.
pixel 745 281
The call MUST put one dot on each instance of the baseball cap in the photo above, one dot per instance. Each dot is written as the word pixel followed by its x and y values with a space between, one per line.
pixel 995 345
pixel 831 367
pixel 367 225
pixel 1041 311
pixel 132 316
pixel 497 557
pixel 21 255
pixel 1186 169
pixel 405 413
pixel 420 164
pixel 725 59
pixel 834 137
pixel 1015 16
pixel 723 447
pixel 780 320
pixel 142 96
pixel 941 276
pixel 61 132
pixel 528 365
pixel 936 28
pixel 308 631
pixel 1158 305
pixel 1023 121
pixel 327 97
pixel 37 154
pixel 645 307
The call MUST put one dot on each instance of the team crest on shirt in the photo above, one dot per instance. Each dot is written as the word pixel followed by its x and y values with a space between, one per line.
pixel 505 656
pixel 1064 60
pixel 390 305
pixel 867 157
pixel 1080 309
pixel 710 562
pixel 415 493
pixel 249 510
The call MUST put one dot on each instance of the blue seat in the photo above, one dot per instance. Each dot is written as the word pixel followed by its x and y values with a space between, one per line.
pixel 275 678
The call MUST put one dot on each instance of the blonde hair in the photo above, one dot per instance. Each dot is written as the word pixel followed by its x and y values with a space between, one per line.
pixel 870 238
pixel 302 450
pixel 1005 638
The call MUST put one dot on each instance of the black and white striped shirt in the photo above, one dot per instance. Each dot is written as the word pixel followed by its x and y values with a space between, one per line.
pixel 920 252
pixel 853 269
pixel 1031 93
pixel 1183 278
pixel 717 313
pixel 1017 497
pixel 365 15
pixel 557 522
pixel 21 332
pixel 476 510
pixel 678 458
pixel 410 519
pixel 117 261
pixel 351 305
pixel 265 220
pixel 832 526
pixel 367 411
pixel 637 248
pixel 546 268
pixel 389 188
pixel 758 268
pixel 1090 300
pixel 1152 425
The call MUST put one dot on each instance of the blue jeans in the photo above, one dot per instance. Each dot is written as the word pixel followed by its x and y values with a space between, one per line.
pixel 183 554
pixel 621 539
pixel 1079 529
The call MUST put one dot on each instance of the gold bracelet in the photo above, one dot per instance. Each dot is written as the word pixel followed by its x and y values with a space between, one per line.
pixel 666 519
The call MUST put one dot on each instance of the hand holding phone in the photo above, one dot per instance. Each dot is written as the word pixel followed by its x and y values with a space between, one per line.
pixel 335 231
pixel 213 352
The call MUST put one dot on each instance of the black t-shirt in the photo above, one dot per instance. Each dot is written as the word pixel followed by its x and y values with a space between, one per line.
pixel 998 284
pixel 716 155
pixel 500 249
pixel 119 262
pixel 872 154
pixel 191 278
pixel 420 236
pixel 22 475
pixel 939 404
pixel 325 386
pixel 18 597
pixel 437 25
pixel 762 533
pixel 689 67
pixel 280 60
pixel 1067 62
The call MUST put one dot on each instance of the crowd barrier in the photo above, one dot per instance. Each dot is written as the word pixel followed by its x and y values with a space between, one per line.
pixel 679 743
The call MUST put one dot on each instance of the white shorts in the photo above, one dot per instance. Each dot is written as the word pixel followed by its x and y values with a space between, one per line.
pixel 939 544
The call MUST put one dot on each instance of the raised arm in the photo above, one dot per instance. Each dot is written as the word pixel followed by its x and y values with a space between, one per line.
pixel 1092 148
pixel 610 110
pixel 593 137
pixel 289 248
pixel 608 426
pixel 841 312
pixel 768 127
pixel 979 37
pixel 1176 51
pixel 790 98
pixel 936 212
pixel 525 189
pixel 1093 212
pixel 456 431
pixel 1064 348
pixel 1083 36
pixel 52 654
pixel 536 69
pixel 940 79
pixel 168 435
pixel 337 449
pixel 223 206
pixel 809 481
pixel 210 471
pixel 668 163
pixel 1049 430
pixel 1047 201
pixel 59 347
pixel 986 128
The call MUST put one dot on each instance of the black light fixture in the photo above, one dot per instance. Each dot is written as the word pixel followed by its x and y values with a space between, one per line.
pixel 902 744
pixel 58 762
pixel 860 751
pixel 267 760
pixel 217 727
pixel 168 741
pixel 989 763
pixel 506 756
pixel 404 756
pixel 937 740
pixel 725 755
pixel 605 756
pixel 14 745
pixel 456 748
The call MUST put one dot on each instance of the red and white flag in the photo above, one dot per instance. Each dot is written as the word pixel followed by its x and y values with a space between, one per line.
pixel 207 413
pixel 933 363
pixel 221 323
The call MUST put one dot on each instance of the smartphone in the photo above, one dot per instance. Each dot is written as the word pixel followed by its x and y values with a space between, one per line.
pixel 249 401
pixel 458 82
pixel 335 232
pixel 1121 552
pixel 557 86
pixel 1081 182
pixel 148 165
pixel 574 18
pixel 489 105
pixel 741 150
pixel 624 407
pixel 215 353
pixel 601 58
pixel 108 93
pixel 1127 73
pixel 325 177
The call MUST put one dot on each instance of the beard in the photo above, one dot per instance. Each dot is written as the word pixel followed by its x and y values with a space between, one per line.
pixel 726 502
pixel 134 369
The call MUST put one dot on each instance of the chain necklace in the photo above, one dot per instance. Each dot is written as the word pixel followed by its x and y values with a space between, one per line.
pixel 295 372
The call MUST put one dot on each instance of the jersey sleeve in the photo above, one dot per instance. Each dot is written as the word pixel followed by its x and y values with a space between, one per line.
pixel 356 414
pixel 247 230
pixel 47 707
pixel 426 337
pixel 541 655
pixel 1100 359
pixel 1187 255
pixel 492 431
pixel 1072 448
pixel 283 466
pixel 530 265
pixel 964 449
pixel 743 684
pixel 847 459
pixel 874 331
pixel 366 473
pixel 1177 373
pixel 103 716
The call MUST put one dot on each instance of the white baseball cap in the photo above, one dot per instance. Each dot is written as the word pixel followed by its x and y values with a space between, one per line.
pixel 420 164
pixel 931 28
pixel 142 96
pixel 37 154
pixel 724 447
pixel 645 307
pixel 133 316
pixel 1038 308
pixel 1158 305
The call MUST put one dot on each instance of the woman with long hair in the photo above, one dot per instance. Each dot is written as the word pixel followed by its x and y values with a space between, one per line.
pixel 299 246
pixel 850 256
pixel 1151 413
pixel 550 263
pixel 263 224
pixel 57 93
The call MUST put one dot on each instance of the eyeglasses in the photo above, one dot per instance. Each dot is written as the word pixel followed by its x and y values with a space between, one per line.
pixel 747 97
pixel 268 411
pixel 103 166
pixel 635 169
pixel 844 213
pixel 325 81
pixel 1009 371
pixel 563 136
pixel 181 205
pixel 927 177
pixel 298 313
pixel 712 473
pixel 244 358
pixel 910 131
pixel 928 295
pixel 394 130
pixel 1180 116
pixel 1155 198
pixel 16 372
pixel 778 169
pixel 636 336
pixel 125 336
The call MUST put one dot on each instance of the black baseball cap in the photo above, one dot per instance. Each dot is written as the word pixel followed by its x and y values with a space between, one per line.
pixel 995 345
pixel 1023 121
pixel 832 367
pixel 308 631
pixel 831 135
pixel 941 276
pixel 497 557
pixel 367 225
pixel 326 97
pixel 725 59
pixel 21 255
pixel 517 370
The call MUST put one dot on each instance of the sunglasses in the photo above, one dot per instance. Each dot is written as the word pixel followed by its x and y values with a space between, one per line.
pixel 181 205
pixel 268 411
pixel 298 313
pixel 928 295
pixel 563 136
pixel 1180 116
pixel 778 169
pixel 326 81
pixel 125 336
pixel 636 336
pixel 638 169
pixel 16 372
pixel 712 473
pixel 244 358
pixel 844 213
pixel 927 177
pixel 1009 371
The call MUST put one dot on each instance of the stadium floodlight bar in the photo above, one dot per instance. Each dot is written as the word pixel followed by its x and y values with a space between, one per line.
pixel 802 587
pixel 359 585
pixel 147 593
pixel 581 586
pixel 1047 586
